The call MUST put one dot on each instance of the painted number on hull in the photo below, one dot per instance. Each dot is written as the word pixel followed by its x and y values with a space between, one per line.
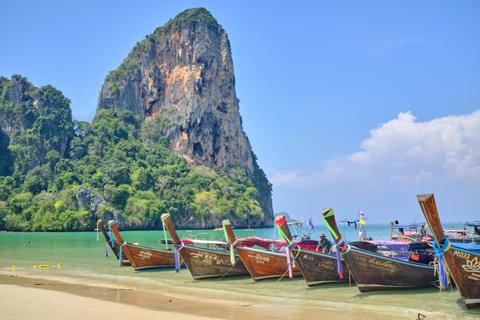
pixel 461 254
pixel 210 259
pixel 261 259
pixel 144 255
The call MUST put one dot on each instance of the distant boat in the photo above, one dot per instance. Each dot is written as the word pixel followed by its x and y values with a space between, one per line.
pixel 263 258
pixel 143 257
pixel 204 258
pixel 463 264
pixel 112 243
pixel 373 270
pixel 408 232
pixel 316 267
pixel 469 234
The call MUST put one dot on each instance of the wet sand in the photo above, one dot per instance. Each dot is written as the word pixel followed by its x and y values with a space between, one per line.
pixel 24 297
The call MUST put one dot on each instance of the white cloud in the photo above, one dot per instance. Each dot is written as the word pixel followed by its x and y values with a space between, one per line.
pixel 284 178
pixel 447 147
pixel 401 155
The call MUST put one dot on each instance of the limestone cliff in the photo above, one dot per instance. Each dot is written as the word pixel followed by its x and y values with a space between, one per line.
pixel 181 76
pixel 33 121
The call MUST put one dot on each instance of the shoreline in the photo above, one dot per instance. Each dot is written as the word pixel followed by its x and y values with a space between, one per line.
pixel 182 305
pixel 77 293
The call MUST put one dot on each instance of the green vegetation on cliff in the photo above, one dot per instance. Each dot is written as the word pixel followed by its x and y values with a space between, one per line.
pixel 58 174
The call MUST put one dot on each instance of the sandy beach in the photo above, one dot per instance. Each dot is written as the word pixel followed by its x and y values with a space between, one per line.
pixel 21 302
pixel 25 297
pixel 28 298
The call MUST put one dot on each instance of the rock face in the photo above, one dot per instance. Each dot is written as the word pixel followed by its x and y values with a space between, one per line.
pixel 33 120
pixel 182 77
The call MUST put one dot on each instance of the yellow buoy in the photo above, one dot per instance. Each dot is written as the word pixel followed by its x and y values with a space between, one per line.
pixel 13 268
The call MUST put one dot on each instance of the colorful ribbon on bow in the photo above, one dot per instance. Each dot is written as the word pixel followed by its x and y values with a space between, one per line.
pixel 289 262
pixel 342 248
pixel 110 234
pixel 290 258
pixel 177 256
pixel 440 265
pixel 120 255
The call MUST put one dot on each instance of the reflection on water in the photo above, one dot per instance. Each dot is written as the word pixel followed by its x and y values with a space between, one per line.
pixel 80 255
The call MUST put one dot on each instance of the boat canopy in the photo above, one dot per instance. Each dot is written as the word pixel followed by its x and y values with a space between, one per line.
pixel 401 247
pixel 414 246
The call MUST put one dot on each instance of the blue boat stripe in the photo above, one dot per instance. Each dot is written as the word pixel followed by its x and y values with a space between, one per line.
pixel 466 251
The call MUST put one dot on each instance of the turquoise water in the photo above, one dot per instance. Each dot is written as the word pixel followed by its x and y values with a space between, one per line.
pixel 81 256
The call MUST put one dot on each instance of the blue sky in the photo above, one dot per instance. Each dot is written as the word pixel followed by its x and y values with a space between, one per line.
pixel 350 105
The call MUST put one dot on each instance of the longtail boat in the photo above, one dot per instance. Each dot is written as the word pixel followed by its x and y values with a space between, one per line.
pixel 316 267
pixel 469 234
pixel 463 265
pixel 142 257
pixel 263 258
pixel 203 258
pixel 413 232
pixel 112 243
pixel 372 270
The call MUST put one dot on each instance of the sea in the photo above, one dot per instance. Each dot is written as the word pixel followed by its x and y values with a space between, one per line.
pixel 82 256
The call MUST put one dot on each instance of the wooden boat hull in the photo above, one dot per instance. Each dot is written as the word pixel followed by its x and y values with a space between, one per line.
pixel 319 268
pixel 145 258
pixel 372 271
pixel 206 263
pixel 262 264
pixel 467 275
pixel 463 265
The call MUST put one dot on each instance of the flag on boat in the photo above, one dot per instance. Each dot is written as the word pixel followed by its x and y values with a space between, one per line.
pixel 361 217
